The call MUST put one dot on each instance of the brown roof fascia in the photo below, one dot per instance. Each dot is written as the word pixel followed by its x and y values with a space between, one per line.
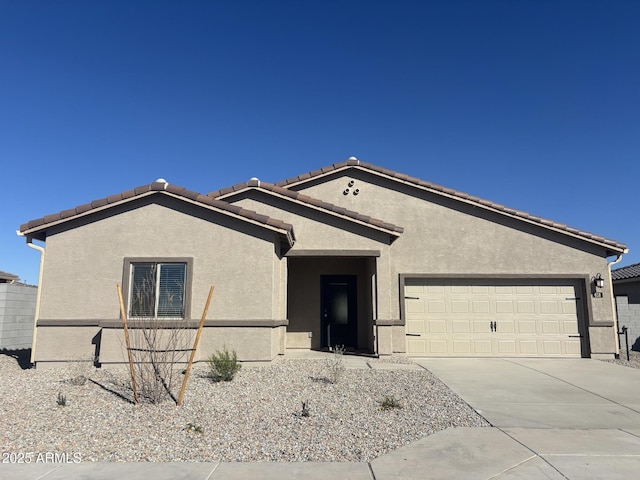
pixel 40 224
pixel 311 201
pixel 615 246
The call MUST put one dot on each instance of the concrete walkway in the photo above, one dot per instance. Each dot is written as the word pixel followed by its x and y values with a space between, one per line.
pixel 552 418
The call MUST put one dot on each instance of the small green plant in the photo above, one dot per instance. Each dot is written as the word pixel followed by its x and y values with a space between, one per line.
pixel 61 400
pixel 79 370
pixel 223 365
pixel 193 428
pixel 305 409
pixel 335 364
pixel 390 402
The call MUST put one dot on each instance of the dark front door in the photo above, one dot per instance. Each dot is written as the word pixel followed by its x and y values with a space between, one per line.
pixel 338 310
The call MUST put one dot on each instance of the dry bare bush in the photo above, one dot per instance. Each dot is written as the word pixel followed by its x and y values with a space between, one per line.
pixel 159 339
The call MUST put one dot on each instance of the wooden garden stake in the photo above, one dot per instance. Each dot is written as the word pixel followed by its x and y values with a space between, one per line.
pixel 195 346
pixel 123 312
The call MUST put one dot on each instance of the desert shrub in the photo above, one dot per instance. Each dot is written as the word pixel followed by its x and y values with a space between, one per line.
pixel 223 365
pixel 194 428
pixel 335 364
pixel 389 402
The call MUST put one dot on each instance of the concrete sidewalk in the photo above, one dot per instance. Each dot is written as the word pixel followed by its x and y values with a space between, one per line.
pixel 552 418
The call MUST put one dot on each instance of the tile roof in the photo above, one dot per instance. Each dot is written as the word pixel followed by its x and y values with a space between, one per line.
pixel 161 187
pixel 283 188
pixel 314 202
pixel 439 189
pixel 624 273
pixel 8 276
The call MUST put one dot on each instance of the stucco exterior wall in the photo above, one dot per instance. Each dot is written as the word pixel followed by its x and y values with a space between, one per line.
pixel 64 344
pixel 249 343
pixel 17 313
pixel 317 231
pixel 85 261
pixel 83 265
pixel 314 230
pixel 445 236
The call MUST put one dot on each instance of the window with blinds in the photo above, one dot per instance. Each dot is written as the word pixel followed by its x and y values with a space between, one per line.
pixel 157 290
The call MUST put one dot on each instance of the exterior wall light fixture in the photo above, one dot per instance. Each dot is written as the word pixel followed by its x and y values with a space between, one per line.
pixel 598 281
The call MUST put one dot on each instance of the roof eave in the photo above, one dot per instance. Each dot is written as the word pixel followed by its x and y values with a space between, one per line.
pixel 39 232
pixel 392 232
pixel 31 232
pixel 612 249
pixel 288 233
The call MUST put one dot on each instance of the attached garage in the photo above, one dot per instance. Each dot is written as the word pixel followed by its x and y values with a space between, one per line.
pixel 494 317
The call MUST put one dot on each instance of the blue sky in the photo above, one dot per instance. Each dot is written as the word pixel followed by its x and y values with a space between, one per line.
pixel 533 104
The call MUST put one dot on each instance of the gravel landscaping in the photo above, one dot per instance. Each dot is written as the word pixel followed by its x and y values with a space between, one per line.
pixel 633 362
pixel 255 417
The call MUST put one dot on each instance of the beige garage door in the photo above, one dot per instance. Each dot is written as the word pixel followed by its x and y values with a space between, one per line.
pixel 492 318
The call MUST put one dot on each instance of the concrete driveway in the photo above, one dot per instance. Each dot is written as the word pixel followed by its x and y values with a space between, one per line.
pixel 552 418
pixel 544 393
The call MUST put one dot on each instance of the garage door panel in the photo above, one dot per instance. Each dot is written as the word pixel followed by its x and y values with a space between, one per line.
pixel 528 347
pixel 459 306
pixel 416 326
pixel 527 327
pixel 416 346
pixel 530 318
pixel 503 290
pixel 548 307
pixel 415 306
pixel 504 306
pixel 552 347
pixel 573 348
pixel 462 347
pixel 434 289
pixel 569 327
pixel 550 327
pixel 413 290
pixel 525 290
pixel 525 306
pixel 482 346
pixel 506 326
pixel 436 306
pixel 437 326
pixel 480 290
pixel 480 306
pixel 437 346
pixel 547 290
pixel 506 347
pixel 459 289
pixel 461 326
pixel 482 326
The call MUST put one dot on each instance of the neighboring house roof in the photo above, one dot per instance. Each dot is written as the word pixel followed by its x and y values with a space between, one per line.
pixel 41 224
pixel 306 200
pixel 613 245
pixel 625 273
pixel 6 277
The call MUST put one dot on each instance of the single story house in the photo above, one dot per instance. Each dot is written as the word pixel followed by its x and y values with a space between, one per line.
pixel 626 289
pixel 350 254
